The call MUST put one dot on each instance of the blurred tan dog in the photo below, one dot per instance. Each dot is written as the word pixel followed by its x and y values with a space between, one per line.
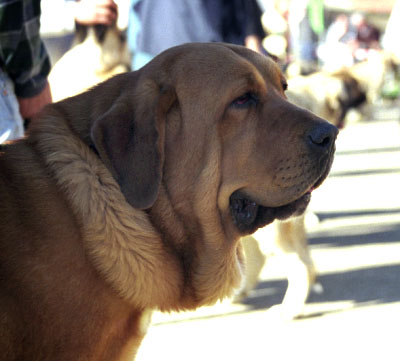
pixel 330 95
pixel 101 52
pixel 288 241
pixel 373 73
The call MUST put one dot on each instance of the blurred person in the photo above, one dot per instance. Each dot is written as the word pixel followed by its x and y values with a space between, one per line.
pixel 87 13
pixel 91 12
pixel 306 23
pixel 25 63
pixel 390 44
pixel 366 37
pixel 97 13
pixel 390 39
pixel 348 41
pixel 339 30
pixel 335 52
pixel 157 25
pixel 24 66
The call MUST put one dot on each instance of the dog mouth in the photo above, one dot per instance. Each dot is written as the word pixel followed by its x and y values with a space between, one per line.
pixel 248 215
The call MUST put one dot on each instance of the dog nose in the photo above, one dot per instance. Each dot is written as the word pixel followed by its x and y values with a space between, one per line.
pixel 322 136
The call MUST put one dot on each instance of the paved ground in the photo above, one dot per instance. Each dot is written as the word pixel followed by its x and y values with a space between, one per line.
pixel 356 248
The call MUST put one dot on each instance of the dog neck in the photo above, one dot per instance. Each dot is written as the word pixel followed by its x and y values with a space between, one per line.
pixel 212 260
pixel 121 242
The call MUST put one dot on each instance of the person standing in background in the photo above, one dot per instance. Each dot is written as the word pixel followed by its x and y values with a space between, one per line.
pixel 24 60
pixel 390 40
pixel 306 25
pixel 157 25
pixel 92 12
pixel 24 66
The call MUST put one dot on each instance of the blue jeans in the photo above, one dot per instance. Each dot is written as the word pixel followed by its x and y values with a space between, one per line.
pixel 11 123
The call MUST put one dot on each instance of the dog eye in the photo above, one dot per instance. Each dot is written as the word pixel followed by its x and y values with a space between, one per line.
pixel 284 85
pixel 246 100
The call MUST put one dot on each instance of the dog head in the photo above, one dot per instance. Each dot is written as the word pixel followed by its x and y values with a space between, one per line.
pixel 215 124
pixel 204 141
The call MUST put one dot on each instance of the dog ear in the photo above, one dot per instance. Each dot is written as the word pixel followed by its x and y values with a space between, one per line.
pixel 130 140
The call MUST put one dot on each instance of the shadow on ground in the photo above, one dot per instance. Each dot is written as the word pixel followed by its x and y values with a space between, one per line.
pixel 375 284
pixel 354 235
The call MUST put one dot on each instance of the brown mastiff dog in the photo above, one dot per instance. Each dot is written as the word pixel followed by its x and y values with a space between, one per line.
pixel 133 197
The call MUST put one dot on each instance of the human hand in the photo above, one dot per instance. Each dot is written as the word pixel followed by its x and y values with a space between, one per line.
pixel 29 107
pixel 91 12
pixel 253 42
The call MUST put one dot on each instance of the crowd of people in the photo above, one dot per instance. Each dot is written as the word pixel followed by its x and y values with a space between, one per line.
pixel 153 27
pixel 156 25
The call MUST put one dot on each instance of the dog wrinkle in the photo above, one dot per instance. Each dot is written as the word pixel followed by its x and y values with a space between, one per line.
pixel 130 267
pixel 110 224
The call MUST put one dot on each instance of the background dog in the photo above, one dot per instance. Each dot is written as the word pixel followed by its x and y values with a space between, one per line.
pixel 99 53
pixel 330 95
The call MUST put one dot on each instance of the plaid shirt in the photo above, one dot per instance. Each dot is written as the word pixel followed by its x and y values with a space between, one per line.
pixel 23 56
